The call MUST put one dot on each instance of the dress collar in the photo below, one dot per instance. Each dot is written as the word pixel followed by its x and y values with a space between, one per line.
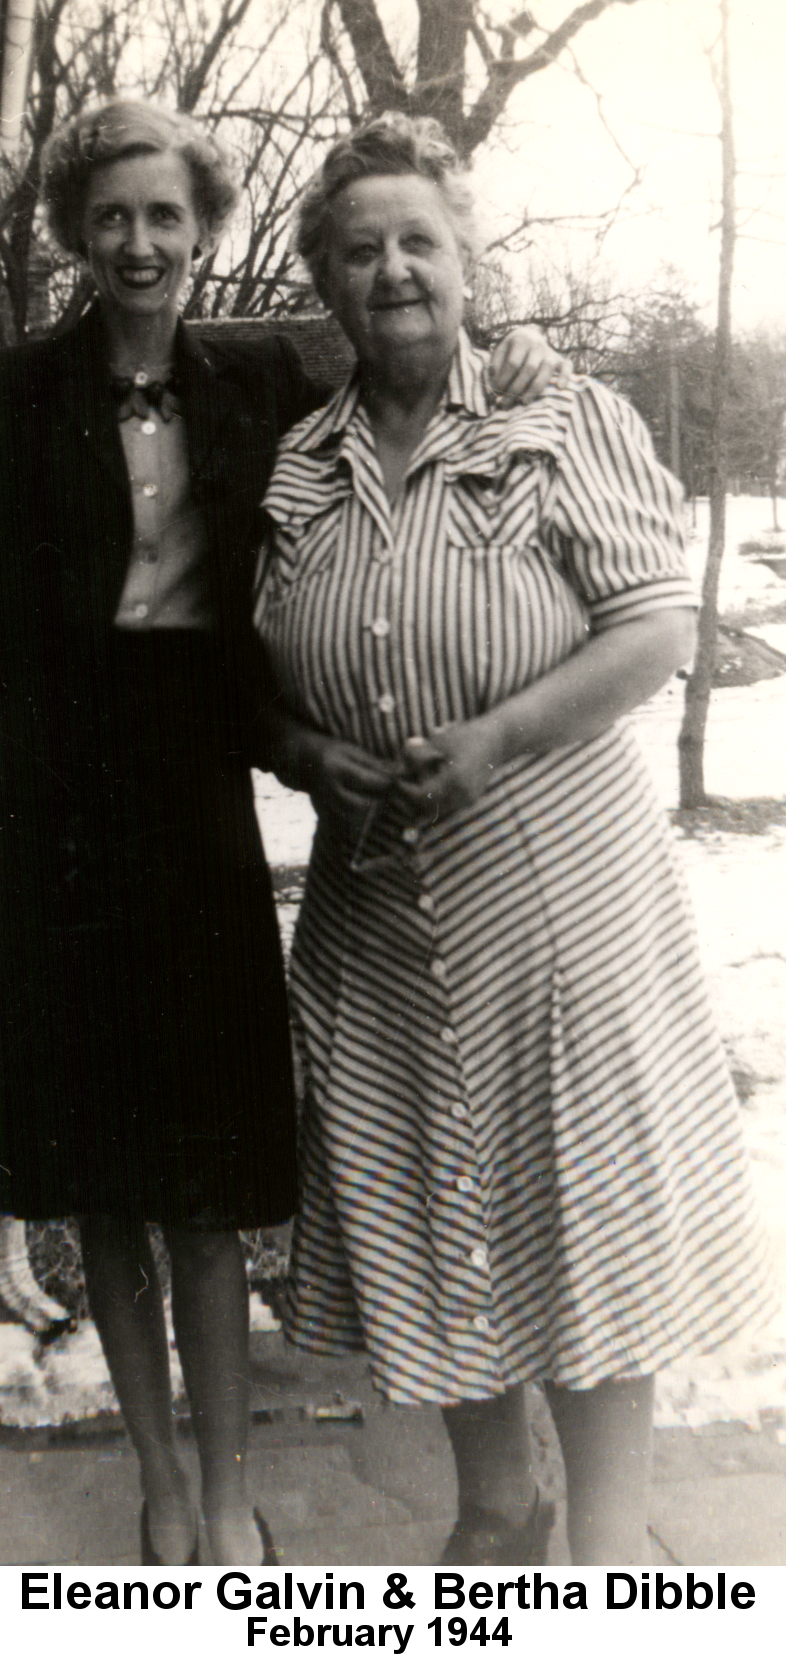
pixel 465 389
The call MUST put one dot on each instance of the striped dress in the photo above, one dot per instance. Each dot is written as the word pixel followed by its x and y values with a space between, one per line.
pixel 520 1150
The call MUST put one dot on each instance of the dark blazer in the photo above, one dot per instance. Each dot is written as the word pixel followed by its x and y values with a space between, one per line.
pixel 65 513
pixel 144 1050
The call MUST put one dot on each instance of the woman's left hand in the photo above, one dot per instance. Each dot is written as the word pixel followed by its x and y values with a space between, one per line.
pixel 450 770
pixel 522 365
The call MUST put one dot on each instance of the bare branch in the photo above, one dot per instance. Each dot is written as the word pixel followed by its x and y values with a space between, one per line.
pixel 382 78
pixel 509 71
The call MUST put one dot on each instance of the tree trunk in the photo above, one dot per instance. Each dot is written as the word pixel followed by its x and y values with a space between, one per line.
pixel 442 45
pixel 699 684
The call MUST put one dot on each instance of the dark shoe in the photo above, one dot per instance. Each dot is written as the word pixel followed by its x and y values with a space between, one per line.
pixel 482 1537
pixel 147 1552
pixel 268 1549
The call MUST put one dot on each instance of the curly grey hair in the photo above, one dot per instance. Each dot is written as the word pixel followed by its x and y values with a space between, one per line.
pixel 130 127
pixel 390 144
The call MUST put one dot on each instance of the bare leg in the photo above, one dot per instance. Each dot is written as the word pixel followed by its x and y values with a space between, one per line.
pixel 491 1446
pixel 125 1301
pixel 606 1438
pixel 210 1315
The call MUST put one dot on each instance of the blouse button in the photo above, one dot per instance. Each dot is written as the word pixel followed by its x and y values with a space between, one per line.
pixel 459 1112
pixel 141 378
pixel 426 904
pixel 410 835
pixel 148 427
pixel 479 1258
pixel 481 1324
pixel 386 704
pixel 448 1035
pixel 465 1185
pixel 380 627
pixel 141 610
pixel 439 969
pixel 150 490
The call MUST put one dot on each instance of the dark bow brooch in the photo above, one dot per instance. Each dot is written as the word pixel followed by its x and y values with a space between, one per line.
pixel 131 398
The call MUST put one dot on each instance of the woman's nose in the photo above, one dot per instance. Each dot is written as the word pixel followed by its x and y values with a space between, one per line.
pixel 395 265
pixel 138 238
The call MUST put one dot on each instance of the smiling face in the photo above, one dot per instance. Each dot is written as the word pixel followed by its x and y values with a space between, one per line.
pixel 395 273
pixel 139 229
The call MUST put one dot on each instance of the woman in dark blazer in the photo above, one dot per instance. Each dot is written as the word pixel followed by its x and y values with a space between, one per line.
pixel 144 1053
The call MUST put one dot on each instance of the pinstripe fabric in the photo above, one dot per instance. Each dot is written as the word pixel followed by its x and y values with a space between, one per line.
pixel 520 1152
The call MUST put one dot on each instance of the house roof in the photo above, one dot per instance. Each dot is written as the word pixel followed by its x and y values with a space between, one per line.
pixel 323 347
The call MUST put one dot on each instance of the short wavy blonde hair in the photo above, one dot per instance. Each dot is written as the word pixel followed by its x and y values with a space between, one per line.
pixel 389 144
pixel 130 127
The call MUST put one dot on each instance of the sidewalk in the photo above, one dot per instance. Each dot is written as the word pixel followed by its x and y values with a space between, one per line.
pixel 377 1489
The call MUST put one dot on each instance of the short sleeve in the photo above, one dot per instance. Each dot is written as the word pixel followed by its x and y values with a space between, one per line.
pixel 612 515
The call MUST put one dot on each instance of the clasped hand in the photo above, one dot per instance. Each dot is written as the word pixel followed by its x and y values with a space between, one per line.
pixel 434 777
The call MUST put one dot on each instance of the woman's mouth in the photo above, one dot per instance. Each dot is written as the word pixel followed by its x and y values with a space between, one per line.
pixel 398 305
pixel 140 277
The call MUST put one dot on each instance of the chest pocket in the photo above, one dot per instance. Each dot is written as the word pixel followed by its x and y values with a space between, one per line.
pixel 516 616
pixel 483 516
pixel 302 551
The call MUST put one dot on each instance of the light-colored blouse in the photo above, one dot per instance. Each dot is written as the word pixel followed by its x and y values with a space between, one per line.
pixel 166 584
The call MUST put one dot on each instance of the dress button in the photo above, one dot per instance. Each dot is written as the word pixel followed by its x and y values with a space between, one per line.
pixel 149 427
pixel 141 610
pixel 481 1324
pixel 448 1035
pixel 479 1258
pixel 410 835
pixel 459 1112
pixel 426 904
pixel 386 704
pixel 150 490
pixel 380 627
pixel 141 378
pixel 439 969
pixel 465 1185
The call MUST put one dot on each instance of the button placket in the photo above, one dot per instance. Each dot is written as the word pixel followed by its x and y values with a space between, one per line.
pixel 377 627
pixel 468 1202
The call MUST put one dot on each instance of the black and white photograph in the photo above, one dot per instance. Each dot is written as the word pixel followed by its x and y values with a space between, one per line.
pixel 393 804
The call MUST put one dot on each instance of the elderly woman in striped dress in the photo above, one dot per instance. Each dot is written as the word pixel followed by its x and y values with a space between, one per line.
pixel 520 1152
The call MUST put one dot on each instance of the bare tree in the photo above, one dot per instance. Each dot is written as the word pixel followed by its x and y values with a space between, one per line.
pixel 699 683
pixel 455 39
pixel 228 63
pixel 232 63
pixel 757 437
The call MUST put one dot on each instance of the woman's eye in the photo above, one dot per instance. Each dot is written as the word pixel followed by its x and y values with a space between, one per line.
pixel 361 253
pixel 418 243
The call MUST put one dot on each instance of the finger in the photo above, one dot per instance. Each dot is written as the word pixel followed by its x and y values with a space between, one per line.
pixel 421 757
pixel 509 365
pixel 563 371
pixel 355 799
pixel 424 801
pixel 360 774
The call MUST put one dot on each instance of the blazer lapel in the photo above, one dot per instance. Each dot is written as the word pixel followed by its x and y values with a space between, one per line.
pixel 82 394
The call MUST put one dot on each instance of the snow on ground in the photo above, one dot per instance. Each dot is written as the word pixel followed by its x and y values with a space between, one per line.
pixel 738 886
